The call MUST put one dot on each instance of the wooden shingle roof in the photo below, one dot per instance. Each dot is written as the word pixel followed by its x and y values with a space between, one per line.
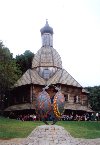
pixel 47 57
pixel 30 77
pixel 77 107
pixel 61 76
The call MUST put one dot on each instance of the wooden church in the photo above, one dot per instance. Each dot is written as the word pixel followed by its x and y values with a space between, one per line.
pixel 47 70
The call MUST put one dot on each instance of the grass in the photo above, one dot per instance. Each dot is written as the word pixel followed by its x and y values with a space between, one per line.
pixel 82 129
pixel 10 128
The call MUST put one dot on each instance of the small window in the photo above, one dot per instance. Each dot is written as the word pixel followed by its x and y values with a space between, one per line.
pixel 79 99
pixel 46 73
pixel 75 99
pixel 66 98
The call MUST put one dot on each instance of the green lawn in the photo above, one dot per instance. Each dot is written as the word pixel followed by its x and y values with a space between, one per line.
pixel 10 128
pixel 82 129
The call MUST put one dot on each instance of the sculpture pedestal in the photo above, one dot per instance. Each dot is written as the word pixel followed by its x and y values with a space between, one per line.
pixel 50 135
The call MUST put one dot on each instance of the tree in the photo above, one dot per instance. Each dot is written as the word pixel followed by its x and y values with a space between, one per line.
pixel 9 71
pixel 94 97
pixel 25 60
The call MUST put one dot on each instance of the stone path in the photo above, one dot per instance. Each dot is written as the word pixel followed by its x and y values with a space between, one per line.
pixel 52 135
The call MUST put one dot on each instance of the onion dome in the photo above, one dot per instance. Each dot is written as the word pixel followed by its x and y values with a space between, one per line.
pixel 46 29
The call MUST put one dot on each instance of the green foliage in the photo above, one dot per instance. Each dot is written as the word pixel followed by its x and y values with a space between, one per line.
pixel 94 97
pixel 9 71
pixel 25 60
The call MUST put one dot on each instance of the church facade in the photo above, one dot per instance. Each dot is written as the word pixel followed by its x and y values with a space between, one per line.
pixel 47 71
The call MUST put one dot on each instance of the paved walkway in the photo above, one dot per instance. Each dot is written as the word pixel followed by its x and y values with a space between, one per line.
pixel 52 135
pixel 55 135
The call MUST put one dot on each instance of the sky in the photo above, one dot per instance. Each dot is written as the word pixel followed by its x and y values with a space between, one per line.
pixel 76 25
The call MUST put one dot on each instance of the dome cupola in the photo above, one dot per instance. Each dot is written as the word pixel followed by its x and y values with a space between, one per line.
pixel 47 35
pixel 47 60
pixel 46 29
